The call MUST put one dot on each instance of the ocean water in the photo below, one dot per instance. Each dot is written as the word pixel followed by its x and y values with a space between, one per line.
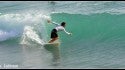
pixel 97 41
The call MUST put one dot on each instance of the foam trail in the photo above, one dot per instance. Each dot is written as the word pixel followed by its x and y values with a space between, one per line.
pixel 30 34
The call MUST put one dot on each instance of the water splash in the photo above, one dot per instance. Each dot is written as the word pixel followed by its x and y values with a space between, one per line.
pixel 30 34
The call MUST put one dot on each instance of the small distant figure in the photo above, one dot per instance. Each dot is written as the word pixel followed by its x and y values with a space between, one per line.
pixel 52 2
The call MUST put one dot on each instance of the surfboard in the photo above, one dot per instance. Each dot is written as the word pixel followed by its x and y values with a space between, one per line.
pixel 52 44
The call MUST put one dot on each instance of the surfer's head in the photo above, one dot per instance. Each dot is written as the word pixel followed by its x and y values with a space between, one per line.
pixel 63 24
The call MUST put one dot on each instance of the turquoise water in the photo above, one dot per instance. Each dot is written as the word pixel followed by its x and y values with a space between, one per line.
pixel 98 38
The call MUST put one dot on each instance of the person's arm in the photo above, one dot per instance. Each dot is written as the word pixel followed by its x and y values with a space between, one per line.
pixel 55 23
pixel 67 32
pixel 49 21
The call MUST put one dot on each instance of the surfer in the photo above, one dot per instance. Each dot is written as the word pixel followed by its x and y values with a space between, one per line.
pixel 54 35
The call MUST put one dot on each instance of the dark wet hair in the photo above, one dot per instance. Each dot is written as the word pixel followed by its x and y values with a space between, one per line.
pixel 63 23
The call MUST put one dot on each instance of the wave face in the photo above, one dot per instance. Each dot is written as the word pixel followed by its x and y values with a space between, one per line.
pixel 97 40
pixel 97 26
